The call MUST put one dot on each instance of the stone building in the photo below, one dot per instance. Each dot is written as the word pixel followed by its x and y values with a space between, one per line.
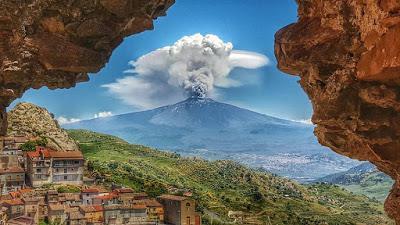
pixel 89 194
pixel 93 214
pixel 67 167
pixel 11 145
pixel 12 179
pixel 45 166
pixel 56 214
pixel 179 210
pixel 32 208
pixel 15 208
pixel 125 214
pixel 155 211
pixel 3 215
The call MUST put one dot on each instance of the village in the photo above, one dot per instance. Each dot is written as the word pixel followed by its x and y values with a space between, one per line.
pixel 29 193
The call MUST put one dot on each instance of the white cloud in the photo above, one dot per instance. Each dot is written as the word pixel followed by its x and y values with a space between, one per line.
pixel 305 121
pixel 63 120
pixel 193 66
pixel 102 114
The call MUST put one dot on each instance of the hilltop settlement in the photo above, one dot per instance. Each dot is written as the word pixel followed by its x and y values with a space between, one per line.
pixel 42 186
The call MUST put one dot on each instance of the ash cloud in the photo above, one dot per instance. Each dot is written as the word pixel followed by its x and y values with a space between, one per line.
pixel 194 66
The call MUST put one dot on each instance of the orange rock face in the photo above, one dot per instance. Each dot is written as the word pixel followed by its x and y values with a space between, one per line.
pixel 56 43
pixel 347 54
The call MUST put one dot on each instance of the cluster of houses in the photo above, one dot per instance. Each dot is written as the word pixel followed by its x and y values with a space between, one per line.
pixel 24 200
pixel 19 169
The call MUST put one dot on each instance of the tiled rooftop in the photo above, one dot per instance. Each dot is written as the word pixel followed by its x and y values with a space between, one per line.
pixel 12 170
pixel 13 202
pixel 91 208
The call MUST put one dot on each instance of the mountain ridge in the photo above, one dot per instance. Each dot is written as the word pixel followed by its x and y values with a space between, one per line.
pixel 214 130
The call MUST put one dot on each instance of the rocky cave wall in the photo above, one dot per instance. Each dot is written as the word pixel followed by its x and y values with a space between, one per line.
pixel 347 54
pixel 56 43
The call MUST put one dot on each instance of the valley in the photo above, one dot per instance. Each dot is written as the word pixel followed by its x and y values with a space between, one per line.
pixel 222 186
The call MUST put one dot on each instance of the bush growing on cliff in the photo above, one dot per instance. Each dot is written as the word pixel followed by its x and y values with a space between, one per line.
pixel 31 145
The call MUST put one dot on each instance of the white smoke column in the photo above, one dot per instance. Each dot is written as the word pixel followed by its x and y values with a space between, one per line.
pixel 192 66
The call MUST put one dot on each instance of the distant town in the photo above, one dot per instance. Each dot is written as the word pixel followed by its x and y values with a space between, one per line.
pixel 43 186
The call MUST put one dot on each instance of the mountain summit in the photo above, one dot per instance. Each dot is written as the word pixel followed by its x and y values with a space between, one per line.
pixel 201 113
pixel 214 130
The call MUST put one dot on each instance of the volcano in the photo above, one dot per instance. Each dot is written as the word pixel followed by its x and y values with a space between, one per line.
pixel 214 130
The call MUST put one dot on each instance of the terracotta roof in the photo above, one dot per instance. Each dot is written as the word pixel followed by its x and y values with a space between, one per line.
pixel 173 197
pixel 141 206
pixel 90 190
pixel 66 154
pixel 106 197
pixel 14 194
pixel 39 150
pixel 12 170
pixel 13 202
pixel 124 190
pixel 71 196
pixel 49 153
pixel 152 203
pixel 25 190
pixel 22 220
pixel 91 208
pixel 56 207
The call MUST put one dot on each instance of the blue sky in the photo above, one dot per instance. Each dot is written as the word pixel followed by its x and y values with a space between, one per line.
pixel 249 24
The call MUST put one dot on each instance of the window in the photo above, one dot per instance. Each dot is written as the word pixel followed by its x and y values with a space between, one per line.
pixel 38 170
pixel 65 170
pixel 65 177
pixel 188 220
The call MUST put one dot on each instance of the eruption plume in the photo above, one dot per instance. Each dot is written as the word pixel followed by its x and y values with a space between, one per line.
pixel 193 67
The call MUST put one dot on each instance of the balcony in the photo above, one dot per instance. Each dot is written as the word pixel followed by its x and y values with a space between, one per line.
pixel 59 165
pixel 41 165
pixel 17 180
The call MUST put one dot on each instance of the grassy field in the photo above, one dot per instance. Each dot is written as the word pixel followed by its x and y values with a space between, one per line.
pixel 220 186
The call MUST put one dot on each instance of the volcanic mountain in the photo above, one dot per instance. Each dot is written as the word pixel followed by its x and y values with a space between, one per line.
pixel 213 130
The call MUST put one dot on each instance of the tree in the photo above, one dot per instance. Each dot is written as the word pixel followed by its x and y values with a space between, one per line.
pixel 31 145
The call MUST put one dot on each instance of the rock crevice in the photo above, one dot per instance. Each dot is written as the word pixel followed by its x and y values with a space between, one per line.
pixel 347 54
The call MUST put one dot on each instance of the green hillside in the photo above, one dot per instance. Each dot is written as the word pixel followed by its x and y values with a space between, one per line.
pixel 374 185
pixel 220 186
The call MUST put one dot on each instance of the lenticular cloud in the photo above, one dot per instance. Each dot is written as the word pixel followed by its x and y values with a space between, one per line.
pixel 192 67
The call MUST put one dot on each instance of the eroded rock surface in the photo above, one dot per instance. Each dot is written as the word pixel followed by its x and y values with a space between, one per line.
pixel 347 54
pixel 55 43
pixel 33 121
